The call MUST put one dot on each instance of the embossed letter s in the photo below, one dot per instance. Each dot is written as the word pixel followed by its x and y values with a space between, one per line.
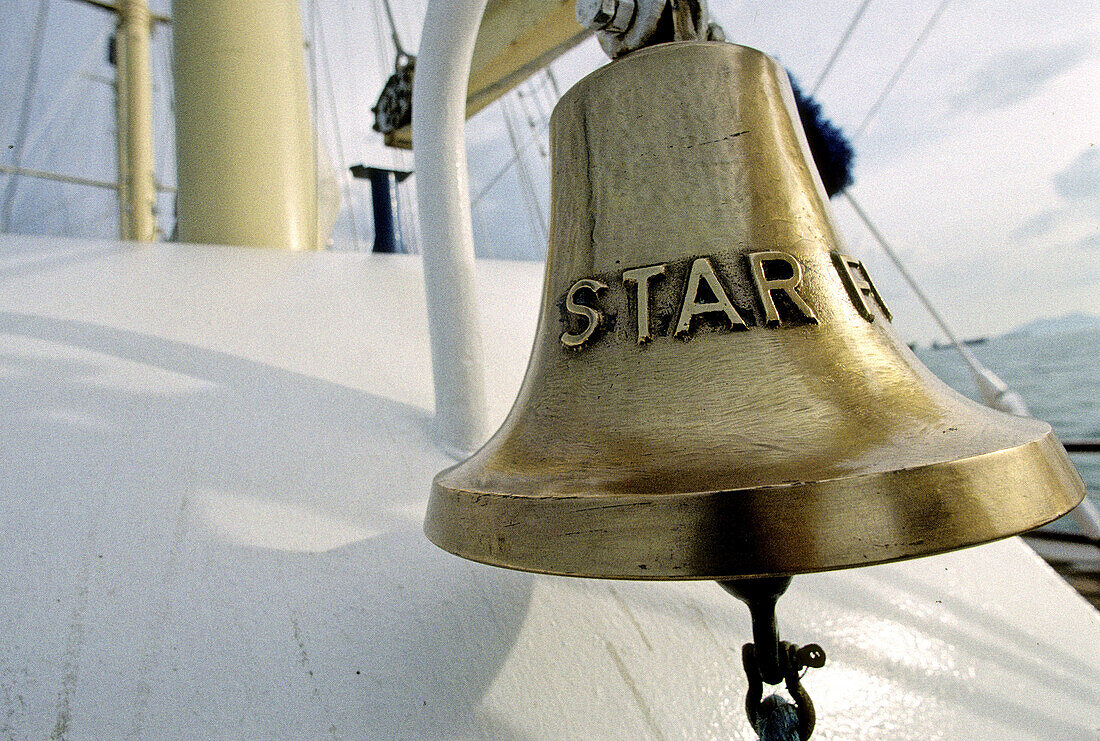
pixel 577 339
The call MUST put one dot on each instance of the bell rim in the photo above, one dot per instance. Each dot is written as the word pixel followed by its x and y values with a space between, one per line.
pixel 456 521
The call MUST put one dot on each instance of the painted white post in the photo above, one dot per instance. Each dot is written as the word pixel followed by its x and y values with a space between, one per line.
pixel 443 199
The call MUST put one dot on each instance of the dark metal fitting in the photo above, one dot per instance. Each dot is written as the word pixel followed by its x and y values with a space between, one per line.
pixel 794 659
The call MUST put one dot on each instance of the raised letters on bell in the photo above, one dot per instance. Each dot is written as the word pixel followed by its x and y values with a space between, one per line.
pixel 859 285
pixel 577 339
pixel 666 298
pixel 765 286
pixel 640 278
pixel 703 272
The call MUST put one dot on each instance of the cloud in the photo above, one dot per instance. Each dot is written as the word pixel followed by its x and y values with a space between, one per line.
pixel 1072 224
pixel 1089 242
pixel 1037 226
pixel 1079 182
pixel 1017 75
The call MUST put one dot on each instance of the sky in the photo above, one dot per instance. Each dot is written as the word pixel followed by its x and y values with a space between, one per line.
pixel 980 166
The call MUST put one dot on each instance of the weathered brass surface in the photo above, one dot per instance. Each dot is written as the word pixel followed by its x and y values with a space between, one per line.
pixel 715 389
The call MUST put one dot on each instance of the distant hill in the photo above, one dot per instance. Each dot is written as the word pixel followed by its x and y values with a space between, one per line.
pixel 1058 325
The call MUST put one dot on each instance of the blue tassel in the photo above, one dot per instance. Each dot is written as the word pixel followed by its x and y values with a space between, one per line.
pixel 831 150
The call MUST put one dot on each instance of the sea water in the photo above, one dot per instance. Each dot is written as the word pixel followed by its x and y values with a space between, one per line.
pixel 1056 374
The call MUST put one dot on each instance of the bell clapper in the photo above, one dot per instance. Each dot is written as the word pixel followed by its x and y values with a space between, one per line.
pixel 768 660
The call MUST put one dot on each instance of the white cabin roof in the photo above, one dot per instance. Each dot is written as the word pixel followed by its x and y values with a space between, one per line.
pixel 214 464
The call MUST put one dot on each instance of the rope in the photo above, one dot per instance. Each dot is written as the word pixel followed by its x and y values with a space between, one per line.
pixel 901 68
pixel 839 47
pixel 778 720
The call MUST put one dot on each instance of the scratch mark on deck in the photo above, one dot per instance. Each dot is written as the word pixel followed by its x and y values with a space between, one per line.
pixel 638 697
pixel 9 706
pixel 706 626
pixel 74 642
pixel 151 656
pixel 10 698
pixel 634 621
pixel 303 660
pixel 74 639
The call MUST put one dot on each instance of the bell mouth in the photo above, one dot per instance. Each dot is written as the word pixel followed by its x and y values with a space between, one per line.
pixel 769 530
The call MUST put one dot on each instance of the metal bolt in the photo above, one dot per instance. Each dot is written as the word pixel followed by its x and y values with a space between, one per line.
pixel 614 16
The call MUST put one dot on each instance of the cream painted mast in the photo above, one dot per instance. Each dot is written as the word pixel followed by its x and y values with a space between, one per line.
pixel 137 195
pixel 136 185
pixel 246 151
pixel 246 143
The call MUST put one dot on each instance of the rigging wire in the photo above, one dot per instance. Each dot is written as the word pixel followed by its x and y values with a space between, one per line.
pixel 383 62
pixel 540 95
pixel 967 356
pixel 310 47
pixel 67 90
pixel 536 136
pixel 901 68
pixel 530 118
pixel 976 368
pixel 501 173
pixel 525 176
pixel 160 63
pixel 553 82
pixel 25 113
pixel 354 81
pixel 410 226
pixel 403 159
pixel 400 50
pixel 994 391
pixel 839 47
pixel 543 116
pixel 50 125
pixel 319 32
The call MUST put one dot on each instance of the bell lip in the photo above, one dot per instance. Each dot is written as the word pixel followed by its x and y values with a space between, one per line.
pixel 1054 489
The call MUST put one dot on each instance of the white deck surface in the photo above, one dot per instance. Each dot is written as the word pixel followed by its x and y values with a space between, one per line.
pixel 213 467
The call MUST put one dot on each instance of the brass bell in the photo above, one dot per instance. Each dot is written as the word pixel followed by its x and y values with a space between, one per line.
pixel 715 389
